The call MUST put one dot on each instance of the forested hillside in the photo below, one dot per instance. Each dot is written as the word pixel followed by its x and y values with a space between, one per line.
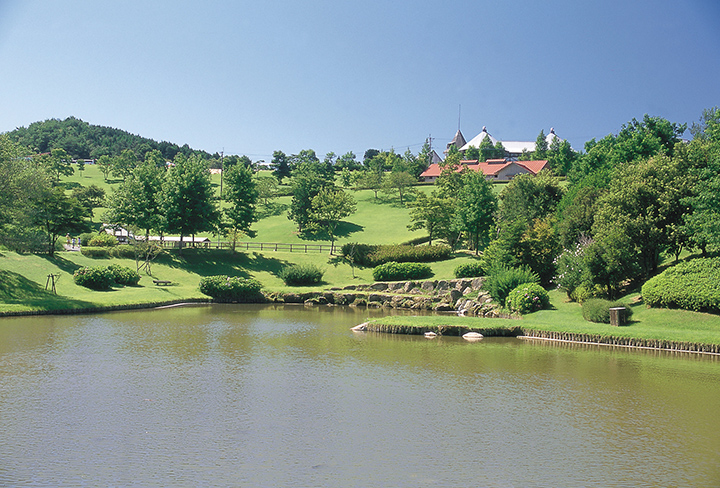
pixel 86 141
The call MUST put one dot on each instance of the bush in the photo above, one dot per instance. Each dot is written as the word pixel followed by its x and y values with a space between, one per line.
pixel 124 275
pixel 598 310
pixel 502 280
pixel 469 270
pixel 232 289
pixel 103 240
pixel 85 238
pixel 95 252
pixel 393 271
pixel 692 285
pixel 367 255
pixel 528 298
pixel 95 278
pixel 301 274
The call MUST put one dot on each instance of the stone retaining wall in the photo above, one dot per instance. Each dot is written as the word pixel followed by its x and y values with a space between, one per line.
pixel 464 296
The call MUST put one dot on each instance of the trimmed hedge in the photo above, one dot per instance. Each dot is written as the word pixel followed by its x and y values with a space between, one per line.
pixel 95 278
pixel 393 271
pixel 693 285
pixel 368 255
pixel 124 275
pixel 502 280
pixel 598 310
pixel 528 298
pixel 469 270
pixel 301 274
pixel 232 289
pixel 103 240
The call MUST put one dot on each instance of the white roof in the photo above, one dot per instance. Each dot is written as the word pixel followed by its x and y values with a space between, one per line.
pixel 475 141
pixel 513 147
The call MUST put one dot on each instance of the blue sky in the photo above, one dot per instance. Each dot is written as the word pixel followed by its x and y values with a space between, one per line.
pixel 254 77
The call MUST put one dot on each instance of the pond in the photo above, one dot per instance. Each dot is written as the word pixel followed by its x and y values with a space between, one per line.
pixel 268 395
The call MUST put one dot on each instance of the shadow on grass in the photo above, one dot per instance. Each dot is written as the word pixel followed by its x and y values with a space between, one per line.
pixel 61 262
pixel 16 289
pixel 212 262
pixel 270 209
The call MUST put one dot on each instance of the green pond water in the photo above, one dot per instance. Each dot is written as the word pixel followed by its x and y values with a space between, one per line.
pixel 270 396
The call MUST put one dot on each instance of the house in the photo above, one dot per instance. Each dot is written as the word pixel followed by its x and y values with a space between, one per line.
pixel 513 149
pixel 493 169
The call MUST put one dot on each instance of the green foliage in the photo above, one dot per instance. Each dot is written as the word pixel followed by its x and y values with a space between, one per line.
pixel 598 310
pixel 95 252
pixel 124 275
pixel 95 278
pixel 83 140
pixel 502 280
pixel 691 285
pixel 528 298
pixel 569 267
pixel 529 197
pixel 232 289
pixel 102 240
pixel 434 214
pixel 367 255
pixel 394 271
pixel 301 274
pixel 469 270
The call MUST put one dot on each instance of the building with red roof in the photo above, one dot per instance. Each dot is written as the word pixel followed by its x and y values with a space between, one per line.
pixel 493 169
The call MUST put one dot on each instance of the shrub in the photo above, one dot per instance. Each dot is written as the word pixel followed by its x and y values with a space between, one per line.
pixel 367 255
pixel 692 285
pixel 95 278
pixel 598 310
pixel 102 240
pixel 123 251
pixel 232 289
pixel 502 280
pixel 85 238
pixel 301 274
pixel 95 252
pixel 124 275
pixel 528 298
pixel 393 271
pixel 469 270
pixel 569 267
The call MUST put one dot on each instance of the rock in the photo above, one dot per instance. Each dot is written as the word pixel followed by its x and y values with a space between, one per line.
pixel 442 285
pixel 430 335
pixel 476 283
pixel 379 286
pixel 360 328
pixel 409 286
pixel 429 285
pixel 472 336
pixel 444 307
pixel 455 295
pixel 292 298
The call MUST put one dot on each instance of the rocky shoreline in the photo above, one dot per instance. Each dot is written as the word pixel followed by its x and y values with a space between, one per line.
pixel 463 296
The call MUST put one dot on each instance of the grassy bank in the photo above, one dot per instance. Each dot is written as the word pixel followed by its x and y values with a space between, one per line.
pixel 678 326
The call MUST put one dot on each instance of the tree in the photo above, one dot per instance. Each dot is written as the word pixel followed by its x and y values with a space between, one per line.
pixel 541 147
pixel 308 179
pixel 105 163
pixel 242 196
pixel 476 206
pixel 702 224
pixel 90 197
pixel 530 197
pixel 266 187
pixel 561 156
pixel 486 150
pixel 644 201
pixel 369 179
pixel 57 164
pixel 57 214
pixel 280 166
pixel 328 208
pixel 124 164
pixel 347 161
pixel 432 213
pixel 137 202
pixel 401 182
pixel 450 180
pixel 187 199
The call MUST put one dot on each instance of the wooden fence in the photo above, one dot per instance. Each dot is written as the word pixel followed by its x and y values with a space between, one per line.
pixel 249 246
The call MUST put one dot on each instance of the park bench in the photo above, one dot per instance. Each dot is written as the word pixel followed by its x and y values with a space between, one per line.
pixel 162 282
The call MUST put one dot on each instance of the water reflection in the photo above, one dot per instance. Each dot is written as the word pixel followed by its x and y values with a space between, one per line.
pixel 288 396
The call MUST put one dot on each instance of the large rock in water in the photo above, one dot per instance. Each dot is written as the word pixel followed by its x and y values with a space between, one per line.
pixel 472 336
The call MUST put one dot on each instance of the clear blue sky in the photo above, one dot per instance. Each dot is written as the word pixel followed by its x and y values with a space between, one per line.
pixel 254 77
